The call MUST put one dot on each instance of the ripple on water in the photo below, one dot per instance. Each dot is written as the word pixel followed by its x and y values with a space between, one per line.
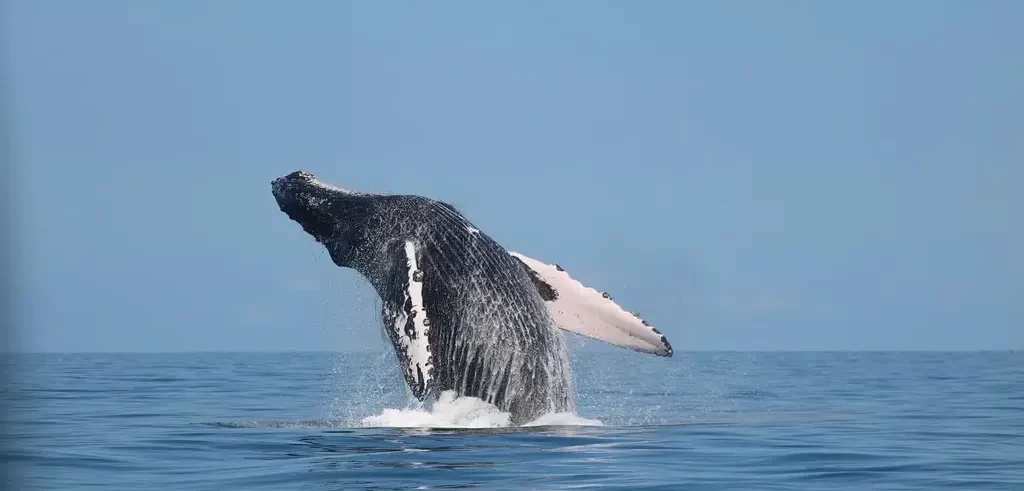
pixel 696 421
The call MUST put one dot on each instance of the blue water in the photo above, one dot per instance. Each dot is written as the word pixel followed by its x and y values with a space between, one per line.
pixel 696 421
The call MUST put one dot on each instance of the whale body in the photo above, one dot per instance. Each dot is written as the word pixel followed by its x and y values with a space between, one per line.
pixel 462 313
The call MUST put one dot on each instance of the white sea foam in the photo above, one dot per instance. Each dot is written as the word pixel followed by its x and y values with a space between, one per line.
pixel 450 411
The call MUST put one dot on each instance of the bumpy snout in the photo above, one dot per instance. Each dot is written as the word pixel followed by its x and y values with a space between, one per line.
pixel 283 186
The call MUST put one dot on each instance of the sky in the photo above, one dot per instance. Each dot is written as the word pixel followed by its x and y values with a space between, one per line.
pixel 747 175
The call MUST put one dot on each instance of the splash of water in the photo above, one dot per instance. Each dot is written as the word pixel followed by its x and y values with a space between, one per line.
pixel 451 411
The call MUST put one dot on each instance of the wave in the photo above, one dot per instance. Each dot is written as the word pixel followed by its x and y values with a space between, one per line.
pixel 451 411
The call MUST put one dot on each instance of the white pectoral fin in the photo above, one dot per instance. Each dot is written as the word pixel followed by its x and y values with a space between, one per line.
pixel 408 325
pixel 588 312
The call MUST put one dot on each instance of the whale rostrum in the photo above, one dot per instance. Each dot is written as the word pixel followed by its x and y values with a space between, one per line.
pixel 462 313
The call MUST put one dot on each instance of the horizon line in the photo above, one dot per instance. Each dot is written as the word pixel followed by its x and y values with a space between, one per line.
pixel 364 351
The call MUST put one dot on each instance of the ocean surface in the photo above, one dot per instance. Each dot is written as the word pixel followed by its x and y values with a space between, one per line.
pixel 336 421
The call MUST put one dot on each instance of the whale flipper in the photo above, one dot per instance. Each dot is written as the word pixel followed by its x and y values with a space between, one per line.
pixel 588 312
pixel 407 322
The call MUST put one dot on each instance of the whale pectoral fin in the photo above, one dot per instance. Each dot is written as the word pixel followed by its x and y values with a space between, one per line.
pixel 408 325
pixel 585 311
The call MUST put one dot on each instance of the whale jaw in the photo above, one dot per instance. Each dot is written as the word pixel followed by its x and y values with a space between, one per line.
pixel 333 216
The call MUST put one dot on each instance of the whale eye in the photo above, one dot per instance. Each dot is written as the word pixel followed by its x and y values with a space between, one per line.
pixel 606 295
pixel 559 268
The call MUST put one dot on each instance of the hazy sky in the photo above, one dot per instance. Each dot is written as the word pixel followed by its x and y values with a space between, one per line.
pixel 747 175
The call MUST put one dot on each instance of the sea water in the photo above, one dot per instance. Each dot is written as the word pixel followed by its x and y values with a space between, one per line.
pixel 343 421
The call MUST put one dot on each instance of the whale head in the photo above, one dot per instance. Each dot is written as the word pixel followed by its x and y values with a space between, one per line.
pixel 335 217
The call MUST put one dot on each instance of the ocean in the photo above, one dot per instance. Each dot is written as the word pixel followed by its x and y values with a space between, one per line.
pixel 343 421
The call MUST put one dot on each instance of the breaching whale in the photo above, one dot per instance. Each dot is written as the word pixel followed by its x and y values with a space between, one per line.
pixel 462 313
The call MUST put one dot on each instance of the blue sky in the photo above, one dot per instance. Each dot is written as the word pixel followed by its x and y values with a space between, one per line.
pixel 748 175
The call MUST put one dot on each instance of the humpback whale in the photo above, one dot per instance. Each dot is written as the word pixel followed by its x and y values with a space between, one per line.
pixel 462 313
